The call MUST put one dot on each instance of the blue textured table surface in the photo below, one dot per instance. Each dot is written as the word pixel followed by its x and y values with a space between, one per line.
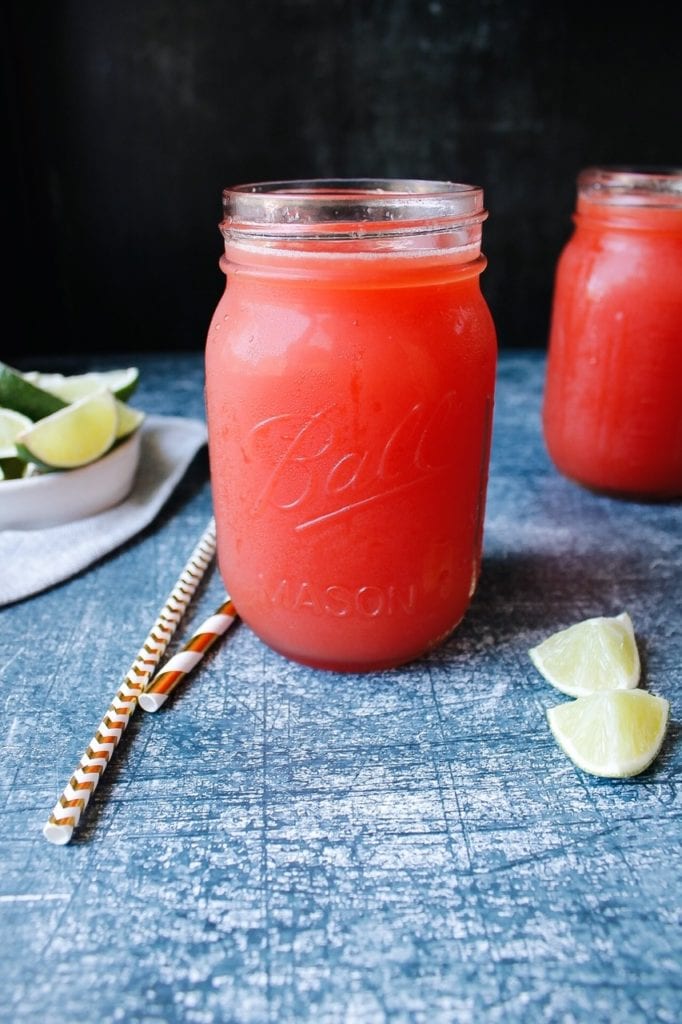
pixel 284 845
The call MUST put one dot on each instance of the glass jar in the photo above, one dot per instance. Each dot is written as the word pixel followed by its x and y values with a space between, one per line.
pixel 350 369
pixel 613 393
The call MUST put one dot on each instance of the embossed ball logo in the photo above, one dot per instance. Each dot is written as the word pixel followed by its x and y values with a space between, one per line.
pixel 315 475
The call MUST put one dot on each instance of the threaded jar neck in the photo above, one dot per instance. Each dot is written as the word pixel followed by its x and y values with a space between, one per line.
pixel 631 186
pixel 355 215
pixel 640 198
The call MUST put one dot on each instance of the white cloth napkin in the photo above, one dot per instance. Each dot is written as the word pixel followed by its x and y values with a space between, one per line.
pixel 33 560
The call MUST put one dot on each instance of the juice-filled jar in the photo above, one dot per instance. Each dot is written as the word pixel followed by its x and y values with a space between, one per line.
pixel 613 393
pixel 350 370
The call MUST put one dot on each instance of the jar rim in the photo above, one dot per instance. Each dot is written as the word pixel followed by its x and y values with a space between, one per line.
pixel 349 207
pixel 635 185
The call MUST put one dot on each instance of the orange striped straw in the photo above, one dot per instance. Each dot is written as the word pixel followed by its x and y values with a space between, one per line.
pixel 189 655
pixel 68 810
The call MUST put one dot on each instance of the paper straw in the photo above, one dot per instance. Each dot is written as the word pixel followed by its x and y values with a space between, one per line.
pixel 67 812
pixel 190 654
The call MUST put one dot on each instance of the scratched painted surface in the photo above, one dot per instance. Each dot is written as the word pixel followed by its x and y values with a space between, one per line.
pixel 283 845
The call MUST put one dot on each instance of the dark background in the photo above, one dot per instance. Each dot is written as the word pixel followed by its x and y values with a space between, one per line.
pixel 126 120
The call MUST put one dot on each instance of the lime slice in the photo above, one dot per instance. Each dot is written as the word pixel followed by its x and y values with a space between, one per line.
pixel 21 395
pixel 122 383
pixel 73 436
pixel 11 424
pixel 615 733
pixel 128 420
pixel 596 654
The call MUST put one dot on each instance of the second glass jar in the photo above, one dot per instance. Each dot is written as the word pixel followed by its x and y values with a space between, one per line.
pixel 613 397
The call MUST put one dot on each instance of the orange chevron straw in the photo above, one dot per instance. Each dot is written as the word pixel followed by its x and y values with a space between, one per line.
pixel 67 812
pixel 190 654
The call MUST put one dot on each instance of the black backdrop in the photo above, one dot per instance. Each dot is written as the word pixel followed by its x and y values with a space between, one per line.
pixel 126 119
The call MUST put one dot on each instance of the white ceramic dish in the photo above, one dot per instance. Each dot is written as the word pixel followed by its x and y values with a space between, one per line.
pixel 57 498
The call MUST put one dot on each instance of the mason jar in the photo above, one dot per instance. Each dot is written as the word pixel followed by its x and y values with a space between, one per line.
pixel 612 409
pixel 350 372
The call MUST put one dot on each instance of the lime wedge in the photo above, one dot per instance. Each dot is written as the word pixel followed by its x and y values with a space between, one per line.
pixel 122 383
pixel 595 654
pixel 128 420
pixel 11 424
pixel 74 436
pixel 615 733
pixel 21 395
